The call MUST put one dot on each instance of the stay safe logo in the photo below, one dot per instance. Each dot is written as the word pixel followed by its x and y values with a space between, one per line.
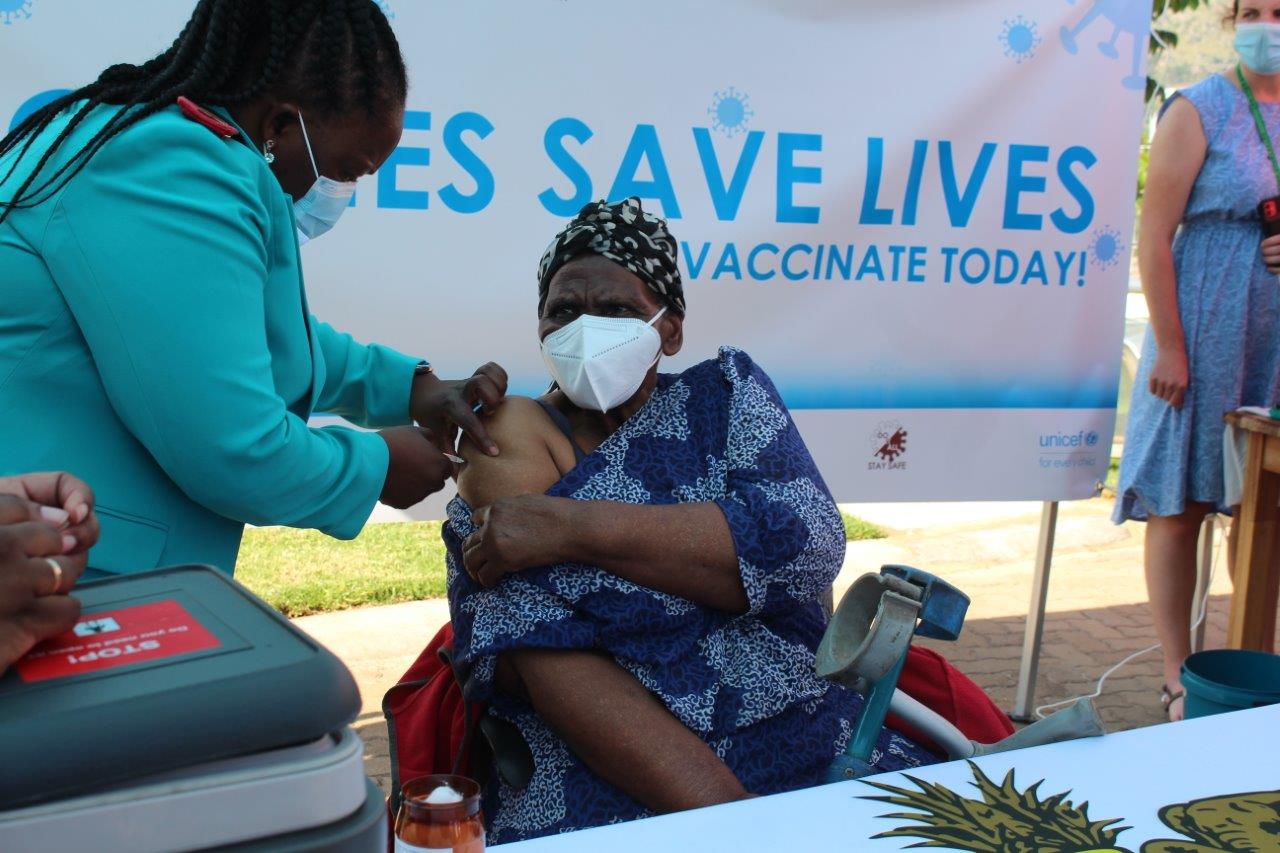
pixel 889 443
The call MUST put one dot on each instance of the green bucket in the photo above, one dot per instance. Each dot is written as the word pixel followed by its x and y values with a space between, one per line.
pixel 1229 680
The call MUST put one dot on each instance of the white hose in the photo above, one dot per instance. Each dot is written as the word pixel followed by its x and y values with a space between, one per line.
pixel 934 725
pixel 1203 611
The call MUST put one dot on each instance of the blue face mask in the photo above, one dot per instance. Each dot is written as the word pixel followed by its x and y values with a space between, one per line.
pixel 1259 47
pixel 318 210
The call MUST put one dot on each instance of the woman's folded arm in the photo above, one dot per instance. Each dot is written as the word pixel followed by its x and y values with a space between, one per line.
pixel 621 731
pixel 681 549
pixel 684 550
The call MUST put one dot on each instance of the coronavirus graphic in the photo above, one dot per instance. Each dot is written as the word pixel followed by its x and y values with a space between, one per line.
pixel 730 112
pixel 889 441
pixel 1127 17
pixel 1106 249
pixel 13 10
pixel 1019 39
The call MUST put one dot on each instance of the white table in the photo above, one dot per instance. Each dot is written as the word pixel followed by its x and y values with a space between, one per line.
pixel 1131 775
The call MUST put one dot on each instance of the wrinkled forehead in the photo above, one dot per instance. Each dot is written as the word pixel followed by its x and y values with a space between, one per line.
pixel 593 278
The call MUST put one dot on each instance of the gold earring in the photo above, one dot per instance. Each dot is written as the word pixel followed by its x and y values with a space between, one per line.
pixel 266 151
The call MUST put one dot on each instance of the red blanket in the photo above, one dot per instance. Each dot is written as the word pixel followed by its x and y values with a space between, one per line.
pixel 425 716
pixel 942 688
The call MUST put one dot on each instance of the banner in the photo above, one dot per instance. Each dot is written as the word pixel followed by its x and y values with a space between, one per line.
pixel 916 216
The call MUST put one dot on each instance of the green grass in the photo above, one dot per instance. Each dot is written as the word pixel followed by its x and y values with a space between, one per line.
pixel 1113 475
pixel 857 529
pixel 302 571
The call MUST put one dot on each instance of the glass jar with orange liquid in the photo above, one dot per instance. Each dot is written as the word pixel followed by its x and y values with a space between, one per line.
pixel 440 813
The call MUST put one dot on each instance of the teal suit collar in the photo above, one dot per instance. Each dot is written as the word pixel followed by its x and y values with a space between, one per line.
pixel 317 361
pixel 225 114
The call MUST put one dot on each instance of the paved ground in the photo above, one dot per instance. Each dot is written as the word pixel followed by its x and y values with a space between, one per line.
pixel 1097 611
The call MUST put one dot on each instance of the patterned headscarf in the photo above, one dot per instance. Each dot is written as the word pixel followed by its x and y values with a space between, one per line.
pixel 625 234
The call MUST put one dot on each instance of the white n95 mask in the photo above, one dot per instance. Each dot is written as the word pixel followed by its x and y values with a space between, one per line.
pixel 600 362
pixel 318 210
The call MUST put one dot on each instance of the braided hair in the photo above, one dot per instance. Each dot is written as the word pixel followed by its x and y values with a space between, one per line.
pixel 330 56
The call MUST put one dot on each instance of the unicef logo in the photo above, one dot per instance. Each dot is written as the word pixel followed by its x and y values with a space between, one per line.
pixel 14 10
pixel 1069 440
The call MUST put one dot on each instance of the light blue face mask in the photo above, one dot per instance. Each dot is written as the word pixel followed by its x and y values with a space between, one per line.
pixel 1259 47
pixel 319 210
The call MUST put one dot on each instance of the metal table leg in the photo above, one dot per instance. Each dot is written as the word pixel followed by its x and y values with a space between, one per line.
pixel 1022 710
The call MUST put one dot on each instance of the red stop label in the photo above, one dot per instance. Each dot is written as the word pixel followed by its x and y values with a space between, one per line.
pixel 111 638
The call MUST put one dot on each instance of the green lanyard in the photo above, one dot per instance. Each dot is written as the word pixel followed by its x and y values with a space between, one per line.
pixel 1257 120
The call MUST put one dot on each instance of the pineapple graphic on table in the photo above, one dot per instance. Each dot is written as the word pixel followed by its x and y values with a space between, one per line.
pixel 1005 820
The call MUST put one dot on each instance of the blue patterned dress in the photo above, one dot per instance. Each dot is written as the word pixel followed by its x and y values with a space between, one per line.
pixel 745 684
pixel 1230 310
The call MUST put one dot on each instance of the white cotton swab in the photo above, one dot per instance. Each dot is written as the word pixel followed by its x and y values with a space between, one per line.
pixel 444 795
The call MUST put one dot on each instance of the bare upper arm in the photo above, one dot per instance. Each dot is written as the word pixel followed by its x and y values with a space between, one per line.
pixel 1177 153
pixel 526 465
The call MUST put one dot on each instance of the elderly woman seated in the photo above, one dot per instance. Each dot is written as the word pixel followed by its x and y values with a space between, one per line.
pixel 635 581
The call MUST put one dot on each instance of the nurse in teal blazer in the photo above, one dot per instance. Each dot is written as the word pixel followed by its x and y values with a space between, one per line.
pixel 154 331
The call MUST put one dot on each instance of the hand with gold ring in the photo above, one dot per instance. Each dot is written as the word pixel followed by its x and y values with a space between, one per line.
pixel 56 568
pixel 65 501
pixel 38 564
